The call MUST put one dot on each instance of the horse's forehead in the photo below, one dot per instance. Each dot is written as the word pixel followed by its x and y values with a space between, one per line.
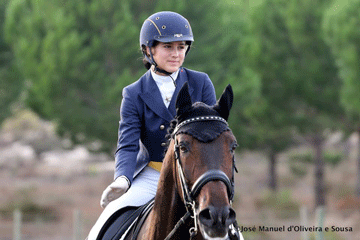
pixel 211 155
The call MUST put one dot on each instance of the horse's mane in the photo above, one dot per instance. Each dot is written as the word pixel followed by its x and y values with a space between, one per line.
pixel 169 135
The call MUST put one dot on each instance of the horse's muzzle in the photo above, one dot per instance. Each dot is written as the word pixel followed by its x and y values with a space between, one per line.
pixel 215 221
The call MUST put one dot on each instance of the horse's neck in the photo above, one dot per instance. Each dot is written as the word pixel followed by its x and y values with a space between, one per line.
pixel 168 206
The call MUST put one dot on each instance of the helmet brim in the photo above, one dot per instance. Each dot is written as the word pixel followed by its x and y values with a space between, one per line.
pixel 174 38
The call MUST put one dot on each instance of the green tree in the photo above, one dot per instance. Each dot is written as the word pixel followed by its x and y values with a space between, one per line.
pixel 246 82
pixel 11 81
pixel 78 55
pixel 317 96
pixel 299 84
pixel 268 52
pixel 341 30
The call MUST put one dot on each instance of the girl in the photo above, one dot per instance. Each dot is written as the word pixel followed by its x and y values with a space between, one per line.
pixel 147 107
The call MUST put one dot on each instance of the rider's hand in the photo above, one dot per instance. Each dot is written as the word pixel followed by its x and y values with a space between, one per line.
pixel 114 190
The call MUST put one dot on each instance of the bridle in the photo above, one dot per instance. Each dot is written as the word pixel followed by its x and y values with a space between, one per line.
pixel 190 195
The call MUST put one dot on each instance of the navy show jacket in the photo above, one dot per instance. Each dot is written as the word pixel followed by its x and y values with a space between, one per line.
pixel 144 119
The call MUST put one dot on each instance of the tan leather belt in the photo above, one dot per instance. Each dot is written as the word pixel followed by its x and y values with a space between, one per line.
pixel 155 165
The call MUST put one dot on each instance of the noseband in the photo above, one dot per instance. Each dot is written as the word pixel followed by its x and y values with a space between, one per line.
pixel 211 175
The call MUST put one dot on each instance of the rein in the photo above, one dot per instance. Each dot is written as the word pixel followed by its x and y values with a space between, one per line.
pixel 211 175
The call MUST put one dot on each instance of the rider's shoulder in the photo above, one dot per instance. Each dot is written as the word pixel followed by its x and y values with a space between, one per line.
pixel 195 74
pixel 139 85
pixel 197 78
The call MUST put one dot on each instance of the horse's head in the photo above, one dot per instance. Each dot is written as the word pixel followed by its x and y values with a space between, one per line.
pixel 204 149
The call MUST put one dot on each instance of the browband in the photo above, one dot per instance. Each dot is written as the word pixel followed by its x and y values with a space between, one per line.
pixel 198 119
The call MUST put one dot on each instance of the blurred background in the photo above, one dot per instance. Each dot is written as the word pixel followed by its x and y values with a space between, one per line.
pixel 294 66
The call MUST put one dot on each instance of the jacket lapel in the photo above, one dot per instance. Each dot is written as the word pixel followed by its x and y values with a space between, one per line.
pixel 181 79
pixel 152 98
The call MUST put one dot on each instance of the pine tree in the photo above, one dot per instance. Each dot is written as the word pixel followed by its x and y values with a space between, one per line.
pixel 78 56
pixel 11 82
pixel 299 83
pixel 341 30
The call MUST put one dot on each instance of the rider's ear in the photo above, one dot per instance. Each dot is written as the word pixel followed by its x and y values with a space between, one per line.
pixel 183 100
pixel 225 102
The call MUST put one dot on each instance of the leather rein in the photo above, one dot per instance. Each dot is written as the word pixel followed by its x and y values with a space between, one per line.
pixel 211 175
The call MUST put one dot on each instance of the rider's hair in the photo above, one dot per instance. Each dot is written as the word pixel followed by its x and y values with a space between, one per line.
pixel 145 61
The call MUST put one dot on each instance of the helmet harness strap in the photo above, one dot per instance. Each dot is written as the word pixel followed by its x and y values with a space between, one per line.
pixel 157 69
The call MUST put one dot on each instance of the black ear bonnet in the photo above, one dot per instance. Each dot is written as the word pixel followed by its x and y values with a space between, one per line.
pixel 204 123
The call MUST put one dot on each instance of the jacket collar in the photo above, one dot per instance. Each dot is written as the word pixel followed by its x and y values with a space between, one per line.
pixel 152 96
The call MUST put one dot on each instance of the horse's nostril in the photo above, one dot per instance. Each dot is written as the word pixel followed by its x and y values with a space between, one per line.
pixel 227 217
pixel 211 216
pixel 231 217
pixel 206 218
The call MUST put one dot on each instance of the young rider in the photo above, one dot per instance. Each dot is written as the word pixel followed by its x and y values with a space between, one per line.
pixel 147 107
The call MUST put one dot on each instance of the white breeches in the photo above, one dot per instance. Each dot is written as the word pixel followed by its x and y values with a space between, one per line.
pixel 142 190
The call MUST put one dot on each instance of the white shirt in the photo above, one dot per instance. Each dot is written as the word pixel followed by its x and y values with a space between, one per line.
pixel 166 85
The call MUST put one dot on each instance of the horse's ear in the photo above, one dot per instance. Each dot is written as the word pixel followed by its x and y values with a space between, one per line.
pixel 225 102
pixel 183 100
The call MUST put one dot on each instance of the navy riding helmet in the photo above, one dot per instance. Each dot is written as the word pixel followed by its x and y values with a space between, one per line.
pixel 164 27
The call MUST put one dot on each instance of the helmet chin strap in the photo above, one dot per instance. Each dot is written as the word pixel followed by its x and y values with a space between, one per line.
pixel 157 69
pixel 164 72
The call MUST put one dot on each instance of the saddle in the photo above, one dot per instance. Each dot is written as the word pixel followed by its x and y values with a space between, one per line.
pixel 124 221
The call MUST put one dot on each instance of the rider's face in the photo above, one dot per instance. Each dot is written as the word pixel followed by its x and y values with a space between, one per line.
pixel 169 56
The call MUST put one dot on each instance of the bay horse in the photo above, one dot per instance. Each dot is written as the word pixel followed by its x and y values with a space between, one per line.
pixel 197 176
pixel 196 185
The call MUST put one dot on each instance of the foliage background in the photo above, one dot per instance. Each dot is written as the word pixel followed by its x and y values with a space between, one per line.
pixel 293 65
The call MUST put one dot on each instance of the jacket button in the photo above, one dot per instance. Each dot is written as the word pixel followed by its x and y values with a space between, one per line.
pixel 162 127
pixel 163 144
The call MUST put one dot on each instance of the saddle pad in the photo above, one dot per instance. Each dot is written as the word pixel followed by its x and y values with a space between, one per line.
pixel 141 219
pixel 120 221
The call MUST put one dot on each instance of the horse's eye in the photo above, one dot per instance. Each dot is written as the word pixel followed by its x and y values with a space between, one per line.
pixel 233 147
pixel 183 148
